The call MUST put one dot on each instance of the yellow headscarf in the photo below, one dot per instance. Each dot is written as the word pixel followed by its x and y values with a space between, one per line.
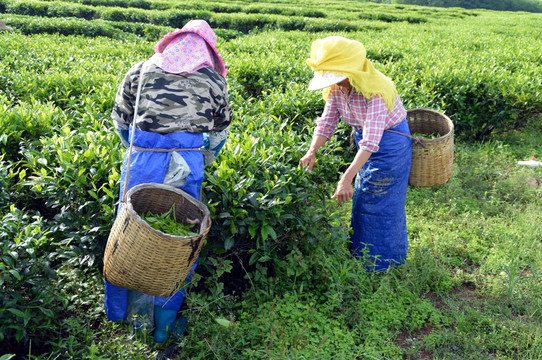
pixel 338 54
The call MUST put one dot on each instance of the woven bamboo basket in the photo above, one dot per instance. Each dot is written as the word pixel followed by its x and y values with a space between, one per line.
pixel 432 165
pixel 138 257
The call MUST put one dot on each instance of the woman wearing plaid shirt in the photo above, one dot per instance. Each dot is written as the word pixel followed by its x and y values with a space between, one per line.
pixel 368 101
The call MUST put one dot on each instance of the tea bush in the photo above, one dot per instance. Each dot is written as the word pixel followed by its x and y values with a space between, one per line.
pixel 140 4
pixel 64 26
pixel 31 8
pixel 262 193
pixel 172 17
pixel 30 306
pixel 25 123
pixel 62 9
pixel 79 189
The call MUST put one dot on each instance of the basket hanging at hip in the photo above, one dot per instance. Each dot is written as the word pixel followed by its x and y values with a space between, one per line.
pixel 138 257
pixel 431 165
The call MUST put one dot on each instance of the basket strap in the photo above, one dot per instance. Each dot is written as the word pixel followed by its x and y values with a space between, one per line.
pixel 168 150
pixel 136 109
pixel 417 140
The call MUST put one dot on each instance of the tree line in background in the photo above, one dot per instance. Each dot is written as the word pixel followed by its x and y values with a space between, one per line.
pixel 500 5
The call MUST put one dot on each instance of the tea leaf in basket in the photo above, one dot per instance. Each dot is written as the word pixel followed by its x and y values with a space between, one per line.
pixel 167 223
pixel 426 136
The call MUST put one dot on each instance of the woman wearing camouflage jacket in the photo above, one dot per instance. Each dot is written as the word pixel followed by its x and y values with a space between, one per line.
pixel 183 105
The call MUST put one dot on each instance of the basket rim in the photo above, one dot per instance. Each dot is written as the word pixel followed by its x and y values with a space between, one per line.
pixel 205 222
pixel 440 115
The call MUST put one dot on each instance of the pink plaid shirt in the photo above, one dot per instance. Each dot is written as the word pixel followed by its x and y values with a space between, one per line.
pixel 372 115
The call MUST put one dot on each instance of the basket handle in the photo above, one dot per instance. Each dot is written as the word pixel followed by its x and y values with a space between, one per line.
pixel 139 86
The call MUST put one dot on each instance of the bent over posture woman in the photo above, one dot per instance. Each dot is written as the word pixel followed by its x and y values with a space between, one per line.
pixel 183 105
pixel 368 101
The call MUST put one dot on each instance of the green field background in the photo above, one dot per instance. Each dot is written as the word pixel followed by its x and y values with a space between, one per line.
pixel 275 271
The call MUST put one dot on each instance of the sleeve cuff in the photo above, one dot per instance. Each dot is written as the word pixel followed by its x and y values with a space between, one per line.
pixel 367 147
pixel 322 133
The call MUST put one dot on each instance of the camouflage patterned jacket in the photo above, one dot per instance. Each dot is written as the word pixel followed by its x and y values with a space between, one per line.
pixel 195 102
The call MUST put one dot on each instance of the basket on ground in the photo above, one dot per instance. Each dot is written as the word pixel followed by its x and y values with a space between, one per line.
pixel 431 165
pixel 138 257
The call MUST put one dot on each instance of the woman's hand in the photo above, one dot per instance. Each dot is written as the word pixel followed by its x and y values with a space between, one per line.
pixel 310 157
pixel 344 191
pixel 308 160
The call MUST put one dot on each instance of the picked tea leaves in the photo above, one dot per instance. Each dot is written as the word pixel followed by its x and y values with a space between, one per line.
pixel 426 136
pixel 167 223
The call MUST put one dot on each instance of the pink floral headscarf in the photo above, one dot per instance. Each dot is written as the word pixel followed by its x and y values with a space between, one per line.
pixel 189 49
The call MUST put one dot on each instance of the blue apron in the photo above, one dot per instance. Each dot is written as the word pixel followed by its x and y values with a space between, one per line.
pixel 147 167
pixel 378 206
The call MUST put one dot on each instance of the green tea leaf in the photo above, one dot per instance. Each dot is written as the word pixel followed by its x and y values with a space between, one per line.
pixel 223 322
